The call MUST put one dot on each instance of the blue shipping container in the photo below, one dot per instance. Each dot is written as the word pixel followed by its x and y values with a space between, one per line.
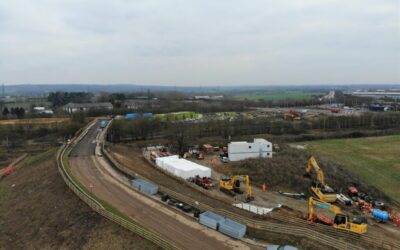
pixel 145 186
pixel 131 116
pixel 148 115
pixel 210 219
pixel 232 229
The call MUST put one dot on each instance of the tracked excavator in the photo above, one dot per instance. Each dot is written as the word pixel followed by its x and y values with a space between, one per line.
pixel 231 185
pixel 319 188
pixel 341 221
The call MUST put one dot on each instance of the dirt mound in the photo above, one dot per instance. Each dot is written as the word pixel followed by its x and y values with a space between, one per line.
pixel 285 171
pixel 37 210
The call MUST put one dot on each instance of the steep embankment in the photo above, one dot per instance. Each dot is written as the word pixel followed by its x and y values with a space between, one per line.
pixel 37 210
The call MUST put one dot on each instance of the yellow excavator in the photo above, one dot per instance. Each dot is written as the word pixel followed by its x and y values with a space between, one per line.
pixel 231 185
pixel 319 188
pixel 341 221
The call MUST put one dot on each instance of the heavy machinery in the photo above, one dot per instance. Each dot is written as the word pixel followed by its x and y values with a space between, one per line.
pixel 319 188
pixel 341 221
pixel 203 182
pixel 231 185
pixel 292 115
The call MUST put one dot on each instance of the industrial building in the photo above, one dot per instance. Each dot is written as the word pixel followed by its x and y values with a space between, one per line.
pixel 378 94
pixel 259 148
pixel 83 107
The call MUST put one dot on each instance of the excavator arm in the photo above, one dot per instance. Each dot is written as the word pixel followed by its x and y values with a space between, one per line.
pixel 341 221
pixel 312 202
pixel 248 186
pixel 233 186
pixel 312 164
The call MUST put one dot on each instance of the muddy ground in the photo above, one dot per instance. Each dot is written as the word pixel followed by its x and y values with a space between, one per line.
pixel 38 211
pixel 282 173
pixel 285 171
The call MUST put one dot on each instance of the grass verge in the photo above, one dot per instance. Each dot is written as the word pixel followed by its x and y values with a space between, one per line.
pixel 36 158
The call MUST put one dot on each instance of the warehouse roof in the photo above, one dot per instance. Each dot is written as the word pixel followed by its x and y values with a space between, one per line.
pixel 89 105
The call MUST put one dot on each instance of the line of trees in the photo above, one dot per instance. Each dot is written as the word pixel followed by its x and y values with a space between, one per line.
pixel 180 133
pixel 18 112
pixel 60 98
pixel 14 135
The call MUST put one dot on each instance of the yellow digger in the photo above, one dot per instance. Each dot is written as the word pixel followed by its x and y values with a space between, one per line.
pixel 231 185
pixel 341 221
pixel 319 188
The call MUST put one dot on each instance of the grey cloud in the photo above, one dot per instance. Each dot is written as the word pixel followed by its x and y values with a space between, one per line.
pixel 200 42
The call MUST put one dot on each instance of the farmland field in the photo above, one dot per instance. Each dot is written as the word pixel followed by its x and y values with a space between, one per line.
pixel 33 121
pixel 276 95
pixel 375 160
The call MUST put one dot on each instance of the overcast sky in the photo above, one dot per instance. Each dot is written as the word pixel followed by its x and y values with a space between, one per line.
pixel 200 42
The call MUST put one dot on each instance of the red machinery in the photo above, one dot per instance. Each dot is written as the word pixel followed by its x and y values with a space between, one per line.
pixel 395 219
pixel 352 191
pixel 7 171
pixel 203 182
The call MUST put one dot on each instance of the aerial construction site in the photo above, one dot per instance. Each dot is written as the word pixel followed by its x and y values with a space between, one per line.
pixel 200 125
pixel 196 199
pixel 224 180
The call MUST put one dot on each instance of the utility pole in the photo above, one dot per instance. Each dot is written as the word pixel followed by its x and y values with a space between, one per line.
pixel 7 143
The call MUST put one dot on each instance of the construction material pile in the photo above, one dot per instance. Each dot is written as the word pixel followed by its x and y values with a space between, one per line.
pixel 182 168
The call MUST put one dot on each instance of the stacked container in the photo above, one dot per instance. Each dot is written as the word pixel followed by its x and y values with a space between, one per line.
pixel 148 115
pixel 144 186
pixel 232 229
pixel 210 219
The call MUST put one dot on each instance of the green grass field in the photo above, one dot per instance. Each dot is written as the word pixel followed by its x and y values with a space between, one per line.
pixel 275 95
pixel 375 160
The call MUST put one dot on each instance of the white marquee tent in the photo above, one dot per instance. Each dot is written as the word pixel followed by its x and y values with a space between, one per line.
pixel 181 167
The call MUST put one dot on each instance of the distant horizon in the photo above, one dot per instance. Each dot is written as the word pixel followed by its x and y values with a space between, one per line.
pixel 207 85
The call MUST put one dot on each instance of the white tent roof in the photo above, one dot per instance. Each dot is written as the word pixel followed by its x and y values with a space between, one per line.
pixel 181 167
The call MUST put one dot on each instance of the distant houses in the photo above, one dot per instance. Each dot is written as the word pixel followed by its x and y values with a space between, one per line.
pixel 84 107
pixel 207 97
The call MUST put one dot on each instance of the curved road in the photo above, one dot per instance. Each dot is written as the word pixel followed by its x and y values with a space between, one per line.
pixel 96 175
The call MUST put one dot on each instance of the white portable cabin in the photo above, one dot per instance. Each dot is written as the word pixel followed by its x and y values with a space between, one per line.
pixel 259 148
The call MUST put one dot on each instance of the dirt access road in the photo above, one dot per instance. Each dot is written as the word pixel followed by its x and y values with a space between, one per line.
pixel 184 232
pixel 132 158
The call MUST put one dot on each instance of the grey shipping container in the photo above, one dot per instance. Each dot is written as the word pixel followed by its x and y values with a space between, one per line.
pixel 232 228
pixel 144 186
pixel 210 219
